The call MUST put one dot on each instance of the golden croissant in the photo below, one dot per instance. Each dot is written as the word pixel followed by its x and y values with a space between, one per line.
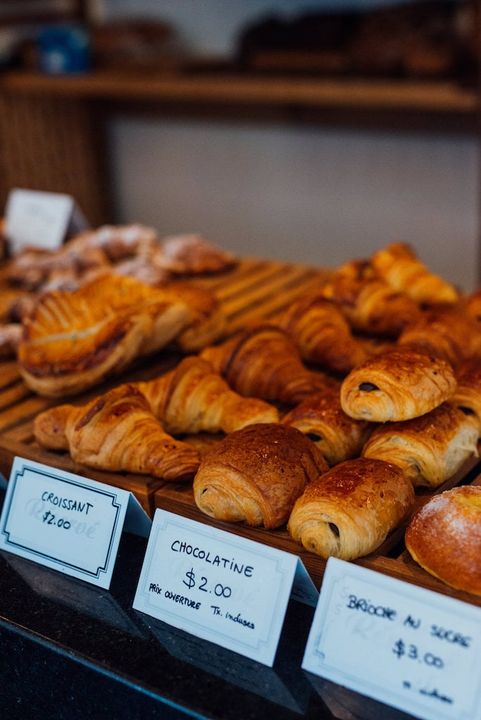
pixel 399 266
pixel 74 340
pixel 264 362
pixel 370 304
pixel 193 398
pixel 322 334
pixel 116 431
pixel 445 332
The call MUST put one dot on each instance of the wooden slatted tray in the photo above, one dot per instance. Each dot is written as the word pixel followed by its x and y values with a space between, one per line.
pixel 254 289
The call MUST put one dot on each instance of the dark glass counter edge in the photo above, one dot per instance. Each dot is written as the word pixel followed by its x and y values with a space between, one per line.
pixel 71 650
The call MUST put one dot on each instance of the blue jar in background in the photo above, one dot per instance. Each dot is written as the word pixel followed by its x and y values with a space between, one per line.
pixel 64 49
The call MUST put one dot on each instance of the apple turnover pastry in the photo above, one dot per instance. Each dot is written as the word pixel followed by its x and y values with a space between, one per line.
pixel 72 341
pixel 349 511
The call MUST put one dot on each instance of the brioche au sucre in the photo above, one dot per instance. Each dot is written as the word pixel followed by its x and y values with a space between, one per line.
pixel 444 537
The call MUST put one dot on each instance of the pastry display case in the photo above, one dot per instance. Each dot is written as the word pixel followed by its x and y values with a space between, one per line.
pixel 62 622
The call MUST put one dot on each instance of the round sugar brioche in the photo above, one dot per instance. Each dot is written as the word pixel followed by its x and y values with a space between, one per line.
pixel 444 537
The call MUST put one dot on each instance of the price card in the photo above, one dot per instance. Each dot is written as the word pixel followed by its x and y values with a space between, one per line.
pixel 215 585
pixel 411 648
pixel 41 219
pixel 66 522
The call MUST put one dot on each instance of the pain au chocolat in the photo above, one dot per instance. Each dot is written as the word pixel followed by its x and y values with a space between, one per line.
pixel 349 511
pixel 397 385
pixel 429 449
pixel 255 475
pixel 321 418
pixel 444 537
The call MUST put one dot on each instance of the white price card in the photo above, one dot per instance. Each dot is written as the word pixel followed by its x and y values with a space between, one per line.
pixel 40 219
pixel 66 522
pixel 221 587
pixel 408 647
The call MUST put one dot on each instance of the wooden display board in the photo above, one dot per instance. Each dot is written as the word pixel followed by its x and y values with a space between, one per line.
pixel 254 289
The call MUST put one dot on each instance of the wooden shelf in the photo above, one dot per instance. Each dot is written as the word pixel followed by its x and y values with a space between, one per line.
pixel 441 99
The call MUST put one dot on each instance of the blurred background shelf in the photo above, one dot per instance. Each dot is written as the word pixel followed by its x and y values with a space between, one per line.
pixel 438 100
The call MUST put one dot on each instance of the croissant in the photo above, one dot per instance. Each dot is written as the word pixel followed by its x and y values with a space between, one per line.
pixel 192 398
pixel 429 449
pixel 255 474
pixel 349 511
pixel 370 304
pixel 447 333
pixel 399 266
pixel 467 396
pixel 444 538
pixel 118 432
pixel 397 385
pixel 322 334
pixel 10 336
pixel 207 321
pixel 74 340
pixel 263 362
pixel 322 419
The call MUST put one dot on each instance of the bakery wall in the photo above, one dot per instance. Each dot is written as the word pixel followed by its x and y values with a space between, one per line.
pixel 311 194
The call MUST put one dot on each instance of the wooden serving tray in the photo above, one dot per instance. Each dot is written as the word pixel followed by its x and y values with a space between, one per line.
pixel 254 289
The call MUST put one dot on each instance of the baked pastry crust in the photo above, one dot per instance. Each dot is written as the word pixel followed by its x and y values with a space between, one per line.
pixel 263 362
pixel 117 431
pixel 467 396
pixel 320 417
pixel 255 474
pixel 193 398
pixel 74 340
pixel 397 385
pixel 400 267
pixel 207 323
pixel 444 537
pixel 349 511
pixel 322 334
pixel 448 333
pixel 369 303
pixel 429 449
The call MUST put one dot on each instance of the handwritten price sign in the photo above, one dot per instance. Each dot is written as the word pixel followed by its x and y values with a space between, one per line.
pixel 215 585
pixel 64 521
pixel 424 649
